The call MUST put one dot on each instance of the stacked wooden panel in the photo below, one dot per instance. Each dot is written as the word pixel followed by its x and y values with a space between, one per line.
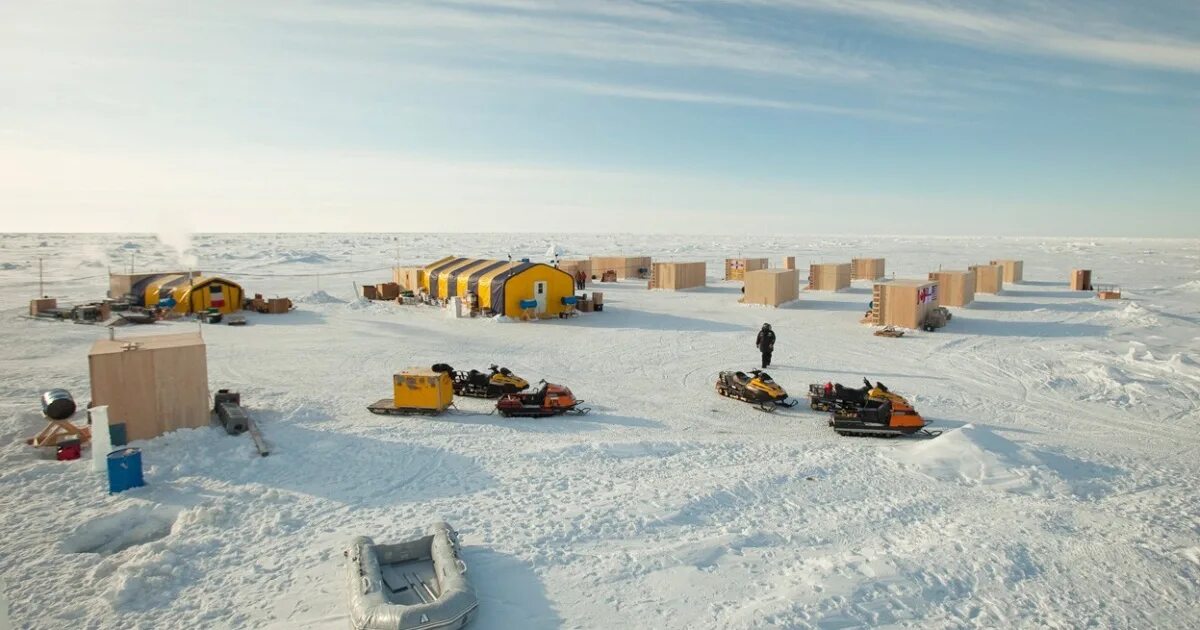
pixel 626 267
pixel 736 268
pixel 828 276
pixel 903 303
pixel 955 288
pixel 574 266
pixel 1014 270
pixel 988 278
pixel 771 287
pixel 408 277
pixel 866 268
pixel 674 276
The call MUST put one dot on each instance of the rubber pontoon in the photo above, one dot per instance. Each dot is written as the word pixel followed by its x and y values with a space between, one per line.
pixel 415 585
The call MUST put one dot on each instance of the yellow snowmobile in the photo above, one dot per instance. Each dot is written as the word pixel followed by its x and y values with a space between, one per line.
pixel 494 383
pixel 756 388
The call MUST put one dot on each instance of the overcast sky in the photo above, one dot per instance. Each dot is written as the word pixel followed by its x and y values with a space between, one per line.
pixel 1054 117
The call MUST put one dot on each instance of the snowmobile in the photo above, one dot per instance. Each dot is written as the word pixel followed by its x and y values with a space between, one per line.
pixel 548 400
pixel 889 331
pixel 830 396
pixel 872 410
pixel 937 318
pixel 757 388
pixel 491 384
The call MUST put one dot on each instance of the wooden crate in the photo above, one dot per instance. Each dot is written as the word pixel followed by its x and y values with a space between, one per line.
pixel 828 276
pixel 866 268
pixel 42 304
pixel 988 278
pixel 1081 280
pixel 625 267
pixel 678 275
pixel 152 384
pixel 1014 270
pixel 387 290
pixel 903 303
pixel 955 288
pixel 736 268
pixel 771 287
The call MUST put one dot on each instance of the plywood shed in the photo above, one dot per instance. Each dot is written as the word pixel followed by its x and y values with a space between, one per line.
pixel 626 267
pixel 903 303
pixel 736 268
pixel 678 275
pixel 828 276
pixel 955 288
pixel 988 278
pixel 1081 280
pixel 133 285
pixel 409 278
pixel 574 266
pixel 866 268
pixel 153 384
pixel 789 262
pixel 1014 270
pixel 499 285
pixel 772 287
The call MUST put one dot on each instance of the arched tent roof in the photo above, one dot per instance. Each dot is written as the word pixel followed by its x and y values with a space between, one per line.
pixel 488 279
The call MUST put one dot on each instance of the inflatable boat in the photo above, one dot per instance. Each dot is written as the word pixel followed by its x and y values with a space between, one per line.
pixel 415 585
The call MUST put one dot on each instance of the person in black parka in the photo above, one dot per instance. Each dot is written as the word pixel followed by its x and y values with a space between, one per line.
pixel 766 344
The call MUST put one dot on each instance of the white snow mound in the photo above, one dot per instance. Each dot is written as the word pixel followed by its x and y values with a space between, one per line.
pixel 319 297
pixel 978 457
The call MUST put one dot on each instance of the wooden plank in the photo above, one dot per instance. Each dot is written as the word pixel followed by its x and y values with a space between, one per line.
pixel 256 435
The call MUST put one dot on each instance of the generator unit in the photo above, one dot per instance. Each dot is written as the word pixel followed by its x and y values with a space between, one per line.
pixel 417 391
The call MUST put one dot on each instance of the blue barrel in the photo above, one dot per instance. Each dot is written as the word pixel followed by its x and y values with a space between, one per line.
pixel 528 304
pixel 125 470
pixel 57 404
pixel 117 434
pixel 570 300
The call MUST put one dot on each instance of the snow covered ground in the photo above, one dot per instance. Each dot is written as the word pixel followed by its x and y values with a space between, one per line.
pixel 1064 493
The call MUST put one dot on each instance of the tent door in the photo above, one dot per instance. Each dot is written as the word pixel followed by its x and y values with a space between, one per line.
pixel 539 294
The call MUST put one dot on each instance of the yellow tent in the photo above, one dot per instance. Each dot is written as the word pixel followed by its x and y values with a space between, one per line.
pixel 193 295
pixel 500 285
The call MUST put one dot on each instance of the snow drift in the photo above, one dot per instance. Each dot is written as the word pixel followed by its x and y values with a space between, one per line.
pixel 978 457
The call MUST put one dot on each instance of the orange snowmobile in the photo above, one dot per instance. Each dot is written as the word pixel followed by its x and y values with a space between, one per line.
pixel 871 410
pixel 548 400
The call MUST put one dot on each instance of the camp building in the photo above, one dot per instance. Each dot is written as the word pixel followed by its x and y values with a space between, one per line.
pixel 181 291
pixel 500 285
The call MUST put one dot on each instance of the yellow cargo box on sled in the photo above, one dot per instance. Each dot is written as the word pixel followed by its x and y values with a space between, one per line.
pixel 417 391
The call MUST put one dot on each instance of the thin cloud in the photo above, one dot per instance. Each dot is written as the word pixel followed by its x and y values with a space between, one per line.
pixel 678 96
pixel 1020 33
pixel 703 44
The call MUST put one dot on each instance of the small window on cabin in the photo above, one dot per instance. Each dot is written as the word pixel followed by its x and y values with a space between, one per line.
pixel 214 288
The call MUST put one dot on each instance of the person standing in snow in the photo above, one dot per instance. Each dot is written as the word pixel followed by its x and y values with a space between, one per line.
pixel 766 344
